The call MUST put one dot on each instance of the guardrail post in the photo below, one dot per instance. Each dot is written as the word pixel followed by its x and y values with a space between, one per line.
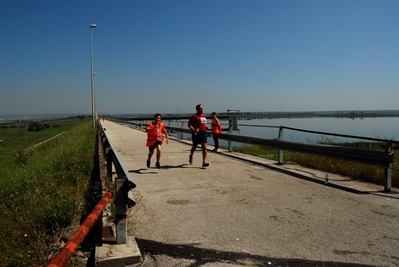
pixel 387 182
pixel 388 170
pixel 120 216
pixel 280 151
pixel 230 144
pixel 109 156
pixel 181 133
pixel 122 203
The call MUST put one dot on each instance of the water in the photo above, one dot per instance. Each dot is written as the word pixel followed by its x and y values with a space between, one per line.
pixel 377 127
pixel 380 127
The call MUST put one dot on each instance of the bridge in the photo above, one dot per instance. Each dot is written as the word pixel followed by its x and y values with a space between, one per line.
pixel 248 211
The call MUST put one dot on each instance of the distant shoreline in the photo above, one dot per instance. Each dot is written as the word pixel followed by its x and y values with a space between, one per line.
pixel 320 114
pixel 274 115
pixel 9 118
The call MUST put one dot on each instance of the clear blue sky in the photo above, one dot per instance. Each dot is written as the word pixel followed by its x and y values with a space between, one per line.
pixel 167 56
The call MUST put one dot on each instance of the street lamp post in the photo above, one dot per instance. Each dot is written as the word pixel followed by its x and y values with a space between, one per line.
pixel 95 96
pixel 92 73
pixel 95 103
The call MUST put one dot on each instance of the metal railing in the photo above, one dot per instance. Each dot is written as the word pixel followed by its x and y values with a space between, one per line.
pixel 372 157
pixel 123 184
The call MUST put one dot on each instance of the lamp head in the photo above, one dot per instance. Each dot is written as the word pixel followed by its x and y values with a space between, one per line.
pixel 93 25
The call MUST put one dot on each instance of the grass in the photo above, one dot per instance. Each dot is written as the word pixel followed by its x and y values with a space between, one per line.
pixel 42 189
pixel 356 171
pixel 15 137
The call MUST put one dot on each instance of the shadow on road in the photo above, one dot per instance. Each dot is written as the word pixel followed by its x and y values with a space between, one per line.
pixel 201 256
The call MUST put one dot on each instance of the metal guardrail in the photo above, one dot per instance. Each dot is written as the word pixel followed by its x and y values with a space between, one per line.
pixel 123 184
pixel 378 158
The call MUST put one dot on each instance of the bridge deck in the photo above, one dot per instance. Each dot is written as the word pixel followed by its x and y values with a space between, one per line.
pixel 245 210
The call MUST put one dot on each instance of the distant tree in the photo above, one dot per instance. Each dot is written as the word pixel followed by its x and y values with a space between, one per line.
pixel 36 126
pixel 31 127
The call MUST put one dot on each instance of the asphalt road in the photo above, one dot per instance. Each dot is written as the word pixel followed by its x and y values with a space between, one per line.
pixel 246 211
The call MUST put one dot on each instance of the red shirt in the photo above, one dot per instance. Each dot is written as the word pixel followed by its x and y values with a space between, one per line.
pixel 198 122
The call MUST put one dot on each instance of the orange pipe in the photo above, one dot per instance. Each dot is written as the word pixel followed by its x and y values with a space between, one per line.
pixel 63 256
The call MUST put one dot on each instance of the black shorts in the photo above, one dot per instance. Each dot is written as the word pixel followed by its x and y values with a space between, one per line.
pixel 199 138
pixel 151 148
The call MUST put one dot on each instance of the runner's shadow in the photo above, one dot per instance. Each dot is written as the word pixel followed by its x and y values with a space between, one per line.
pixel 166 167
pixel 139 171
pixel 182 166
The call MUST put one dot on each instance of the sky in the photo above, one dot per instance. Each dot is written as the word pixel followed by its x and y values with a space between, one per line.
pixel 153 56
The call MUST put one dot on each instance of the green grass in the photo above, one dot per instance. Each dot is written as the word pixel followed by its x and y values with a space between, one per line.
pixel 16 137
pixel 356 171
pixel 42 189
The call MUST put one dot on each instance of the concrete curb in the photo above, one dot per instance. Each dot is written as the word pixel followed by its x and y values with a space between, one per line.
pixel 118 255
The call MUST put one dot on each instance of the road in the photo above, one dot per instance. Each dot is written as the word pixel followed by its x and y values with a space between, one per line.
pixel 247 211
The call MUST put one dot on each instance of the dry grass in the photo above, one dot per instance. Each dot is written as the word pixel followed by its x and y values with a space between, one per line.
pixel 356 171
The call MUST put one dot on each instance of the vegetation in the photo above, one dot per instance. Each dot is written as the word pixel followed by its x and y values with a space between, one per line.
pixel 43 188
pixel 356 171
pixel 16 137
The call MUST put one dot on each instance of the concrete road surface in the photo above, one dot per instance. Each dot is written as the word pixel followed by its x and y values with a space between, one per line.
pixel 247 211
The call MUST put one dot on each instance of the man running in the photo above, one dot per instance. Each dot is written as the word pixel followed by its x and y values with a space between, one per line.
pixel 197 124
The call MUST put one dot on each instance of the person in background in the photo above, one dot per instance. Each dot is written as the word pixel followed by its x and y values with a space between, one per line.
pixel 155 137
pixel 216 130
pixel 197 124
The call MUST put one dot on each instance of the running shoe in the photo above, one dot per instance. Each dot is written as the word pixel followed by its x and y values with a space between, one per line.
pixel 205 164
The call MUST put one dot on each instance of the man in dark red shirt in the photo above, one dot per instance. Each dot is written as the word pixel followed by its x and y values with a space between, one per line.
pixel 197 124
